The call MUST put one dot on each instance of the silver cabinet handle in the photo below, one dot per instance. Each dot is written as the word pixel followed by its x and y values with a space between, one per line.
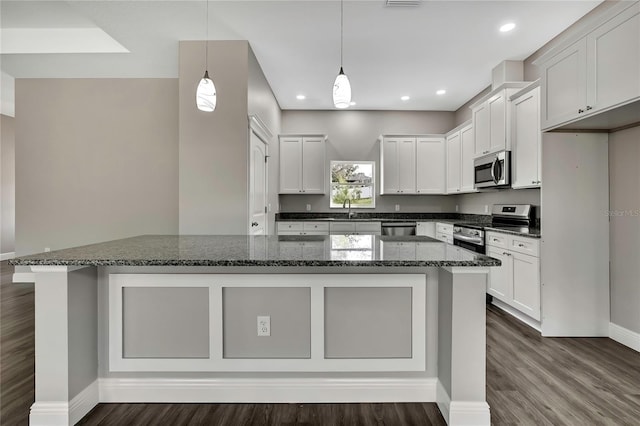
pixel 496 240
pixel 254 223
pixel 521 245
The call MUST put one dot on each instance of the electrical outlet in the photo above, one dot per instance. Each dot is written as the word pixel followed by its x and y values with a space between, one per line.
pixel 397 207
pixel 269 207
pixel 47 249
pixel 486 208
pixel 457 208
pixel 264 326
pixel 308 207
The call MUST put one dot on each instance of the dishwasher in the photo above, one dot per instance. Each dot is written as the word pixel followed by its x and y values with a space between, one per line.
pixel 398 228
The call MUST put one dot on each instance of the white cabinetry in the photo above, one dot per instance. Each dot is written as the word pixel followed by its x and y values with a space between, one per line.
pixel 302 164
pixel 490 116
pixel 430 165
pixel 596 73
pixel 526 138
pixel 367 228
pixel 460 155
pixel 426 229
pixel 303 228
pixel 444 232
pixel 517 281
pixel 412 164
pixel 453 163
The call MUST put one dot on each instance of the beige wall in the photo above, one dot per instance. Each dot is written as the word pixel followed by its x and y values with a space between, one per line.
pixel 96 160
pixel 624 227
pixel 263 103
pixel 353 135
pixel 214 147
pixel 7 179
pixel 464 112
pixel 475 203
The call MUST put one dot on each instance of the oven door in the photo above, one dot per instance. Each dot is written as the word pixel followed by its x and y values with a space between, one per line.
pixel 469 245
pixel 492 170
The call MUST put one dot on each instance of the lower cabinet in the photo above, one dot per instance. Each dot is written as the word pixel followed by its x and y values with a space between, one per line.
pixel 303 228
pixel 426 229
pixel 368 228
pixel 444 232
pixel 517 281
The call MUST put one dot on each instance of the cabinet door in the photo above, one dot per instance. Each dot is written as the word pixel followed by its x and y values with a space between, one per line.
pixel 389 166
pixel 290 165
pixel 526 139
pixel 466 162
pixel 430 166
pixel 407 165
pixel 526 284
pixel 426 229
pixel 481 129
pixel 313 165
pixel 564 85
pixel 453 163
pixel 497 122
pixel 613 61
pixel 500 280
pixel 393 250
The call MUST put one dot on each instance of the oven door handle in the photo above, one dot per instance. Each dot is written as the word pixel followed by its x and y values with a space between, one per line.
pixel 475 240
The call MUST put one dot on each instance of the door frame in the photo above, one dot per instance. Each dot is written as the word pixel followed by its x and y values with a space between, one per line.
pixel 262 132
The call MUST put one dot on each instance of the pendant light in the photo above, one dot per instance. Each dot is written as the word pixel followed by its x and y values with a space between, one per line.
pixel 206 93
pixel 341 87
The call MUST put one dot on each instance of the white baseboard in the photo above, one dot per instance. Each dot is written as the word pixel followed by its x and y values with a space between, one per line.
pixel 84 402
pixel 233 390
pixel 24 277
pixel 7 256
pixel 517 314
pixel 462 413
pixel 469 413
pixel 63 413
pixel 49 414
pixel 624 336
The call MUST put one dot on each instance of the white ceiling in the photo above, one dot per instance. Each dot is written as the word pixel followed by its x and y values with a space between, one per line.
pixel 388 52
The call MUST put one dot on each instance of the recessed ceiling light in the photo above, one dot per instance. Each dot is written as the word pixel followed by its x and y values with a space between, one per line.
pixel 507 27
pixel 301 97
pixel 405 98
pixel 352 103
pixel 441 92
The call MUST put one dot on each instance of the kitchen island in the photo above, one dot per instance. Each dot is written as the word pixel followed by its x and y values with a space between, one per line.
pixel 339 318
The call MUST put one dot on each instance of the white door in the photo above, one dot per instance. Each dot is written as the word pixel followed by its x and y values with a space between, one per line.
pixel 257 186
pixel 481 129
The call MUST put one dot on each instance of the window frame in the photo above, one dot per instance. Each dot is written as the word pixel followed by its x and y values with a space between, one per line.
pixel 336 184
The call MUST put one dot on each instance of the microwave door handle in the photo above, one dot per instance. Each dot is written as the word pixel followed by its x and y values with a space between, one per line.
pixel 493 167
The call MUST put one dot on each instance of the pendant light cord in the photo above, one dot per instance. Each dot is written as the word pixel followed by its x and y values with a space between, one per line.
pixel 341 29
pixel 206 42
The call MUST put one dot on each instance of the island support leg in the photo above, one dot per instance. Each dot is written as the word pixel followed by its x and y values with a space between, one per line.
pixel 66 353
pixel 462 346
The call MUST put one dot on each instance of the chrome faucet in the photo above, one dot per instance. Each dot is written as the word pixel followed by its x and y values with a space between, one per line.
pixel 344 205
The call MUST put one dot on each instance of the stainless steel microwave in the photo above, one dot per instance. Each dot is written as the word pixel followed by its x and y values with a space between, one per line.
pixel 493 170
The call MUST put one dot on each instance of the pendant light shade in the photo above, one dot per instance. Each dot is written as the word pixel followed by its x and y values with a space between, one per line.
pixel 342 86
pixel 341 91
pixel 206 94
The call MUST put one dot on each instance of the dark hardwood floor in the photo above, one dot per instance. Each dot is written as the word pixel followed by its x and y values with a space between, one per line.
pixel 530 381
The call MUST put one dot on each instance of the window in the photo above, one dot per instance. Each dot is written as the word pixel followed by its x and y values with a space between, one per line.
pixel 353 180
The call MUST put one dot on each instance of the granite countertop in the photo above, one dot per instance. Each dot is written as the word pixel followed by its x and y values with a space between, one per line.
pixel 272 250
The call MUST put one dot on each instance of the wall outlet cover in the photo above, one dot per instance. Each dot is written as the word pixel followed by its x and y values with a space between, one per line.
pixel 397 207
pixel 264 326
pixel 308 207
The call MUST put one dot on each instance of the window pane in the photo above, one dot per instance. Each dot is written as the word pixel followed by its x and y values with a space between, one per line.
pixel 360 196
pixel 355 181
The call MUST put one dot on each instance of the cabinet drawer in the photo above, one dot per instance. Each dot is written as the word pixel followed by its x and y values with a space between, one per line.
pixel 290 226
pixel 445 228
pixel 494 239
pixel 368 227
pixel 316 226
pixel 523 245
pixel 342 227
pixel 444 237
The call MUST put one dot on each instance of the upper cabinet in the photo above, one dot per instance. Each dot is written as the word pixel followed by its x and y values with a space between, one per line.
pixel 595 74
pixel 302 164
pixel 526 138
pixel 460 155
pixel 490 116
pixel 412 165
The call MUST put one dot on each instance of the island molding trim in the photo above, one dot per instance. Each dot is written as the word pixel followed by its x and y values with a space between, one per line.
pixel 272 390
pixel 66 413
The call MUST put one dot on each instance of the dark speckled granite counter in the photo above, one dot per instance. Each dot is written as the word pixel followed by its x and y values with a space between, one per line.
pixel 243 250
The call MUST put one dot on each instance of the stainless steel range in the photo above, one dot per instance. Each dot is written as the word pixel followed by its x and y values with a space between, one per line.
pixel 513 217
